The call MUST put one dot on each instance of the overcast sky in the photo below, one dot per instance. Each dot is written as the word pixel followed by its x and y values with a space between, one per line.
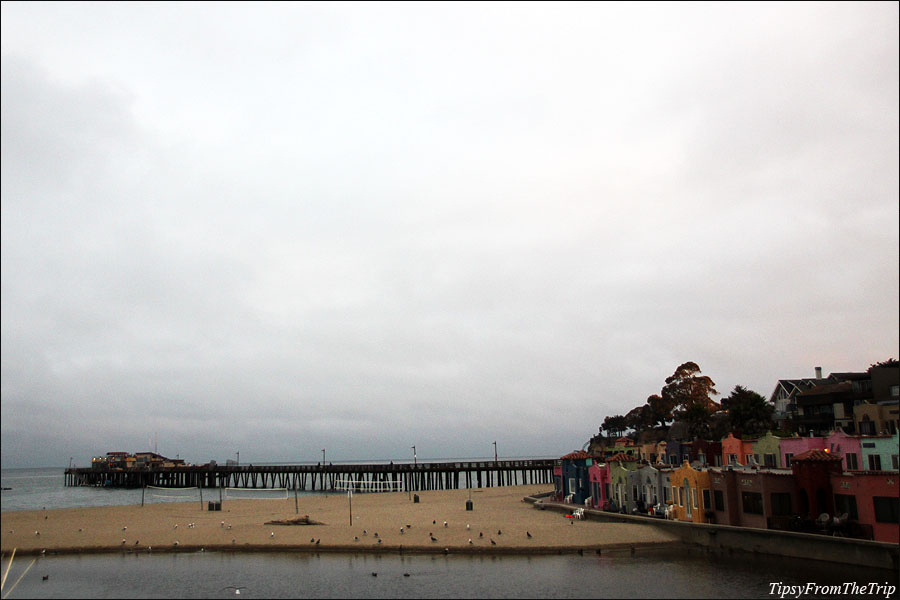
pixel 276 228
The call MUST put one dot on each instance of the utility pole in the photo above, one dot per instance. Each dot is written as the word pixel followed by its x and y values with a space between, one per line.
pixel 495 451
pixel 415 460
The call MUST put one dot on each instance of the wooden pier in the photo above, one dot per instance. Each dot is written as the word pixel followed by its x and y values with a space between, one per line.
pixel 403 477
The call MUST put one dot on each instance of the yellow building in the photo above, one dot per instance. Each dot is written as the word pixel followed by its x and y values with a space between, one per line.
pixel 690 494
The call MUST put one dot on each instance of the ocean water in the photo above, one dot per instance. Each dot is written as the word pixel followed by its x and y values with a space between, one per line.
pixel 652 573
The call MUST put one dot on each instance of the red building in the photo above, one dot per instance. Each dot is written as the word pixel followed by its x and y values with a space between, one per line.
pixel 870 498
pixel 812 471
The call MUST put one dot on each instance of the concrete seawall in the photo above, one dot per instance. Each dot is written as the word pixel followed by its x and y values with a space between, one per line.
pixel 848 551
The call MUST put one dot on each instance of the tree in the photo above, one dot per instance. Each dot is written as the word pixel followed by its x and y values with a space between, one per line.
pixel 748 412
pixel 697 418
pixel 686 387
pixel 660 410
pixel 614 425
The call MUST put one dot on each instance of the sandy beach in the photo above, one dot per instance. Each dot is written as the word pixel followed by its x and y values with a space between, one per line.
pixel 382 522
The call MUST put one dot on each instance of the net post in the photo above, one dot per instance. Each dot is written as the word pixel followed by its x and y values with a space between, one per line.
pixel 143 487
pixel 201 497
pixel 296 501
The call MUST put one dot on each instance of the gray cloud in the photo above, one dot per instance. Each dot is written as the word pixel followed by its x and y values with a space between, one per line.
pixel 307 226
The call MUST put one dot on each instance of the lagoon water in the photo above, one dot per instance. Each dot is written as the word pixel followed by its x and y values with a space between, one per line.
pixel 663 573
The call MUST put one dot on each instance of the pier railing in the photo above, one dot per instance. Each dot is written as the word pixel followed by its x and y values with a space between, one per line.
pixel 401 476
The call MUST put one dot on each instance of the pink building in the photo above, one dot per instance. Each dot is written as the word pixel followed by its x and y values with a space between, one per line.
pixel 847 447
pixel 794 446
pixel 599 478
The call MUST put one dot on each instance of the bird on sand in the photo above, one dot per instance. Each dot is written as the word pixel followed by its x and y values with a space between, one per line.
pixel 237 590
pixel 433 539
pixel 271 535
pixel 445 523
pixel 481 534
pixel 493 543
pixel 374 574
pixel 470 540
pixel 528 534
pixel 45 577
pixel 499 532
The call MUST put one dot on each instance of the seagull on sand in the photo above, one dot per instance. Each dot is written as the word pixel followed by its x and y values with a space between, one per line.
pixel 271 535
pixel 237 590
pixel 493 543
pixel 445 523
pixel 467 526
pixel 470 540
pixel 45 577
pixel 433 539
pixel 528 534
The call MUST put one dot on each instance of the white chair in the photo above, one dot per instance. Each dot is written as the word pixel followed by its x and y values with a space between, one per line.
pixel 579 513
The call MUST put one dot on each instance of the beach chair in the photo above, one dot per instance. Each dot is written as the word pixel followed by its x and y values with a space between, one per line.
pixel 579 513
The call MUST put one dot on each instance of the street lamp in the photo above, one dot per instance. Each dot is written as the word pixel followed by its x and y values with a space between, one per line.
pixel 495 451
pixel 238 459
pixel 415 460
pixel 323 457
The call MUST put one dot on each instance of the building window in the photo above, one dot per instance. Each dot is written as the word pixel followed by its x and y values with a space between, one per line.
pixel 895 461
pixel 874 462
pixel 571 485
pixel 732 459
pixel 787 460
pixel 747 458
pixel 895 390
pixel 752 502
pixel 769 459
pixel 665 494
pixel 846 504
pixel 781 504
pixel 706 505
pixel 852 461
pixel 717 460
pixel 719 498
pixel 887 510
pixel 694 497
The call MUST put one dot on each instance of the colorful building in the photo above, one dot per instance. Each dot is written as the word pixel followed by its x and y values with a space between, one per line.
pixel 879 452
pixel 690 493
pixel 574 478
pixel 847 447
pixel 792 446
pixel 767 451
pixel 598 475
pixel 871 499
pixel 752 497
pixel 619 486
pixel 812 471
pixel 706 453
pixel 653 486
pixel 737 451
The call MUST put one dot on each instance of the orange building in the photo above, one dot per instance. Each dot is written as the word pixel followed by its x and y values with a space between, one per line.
pixel 690 494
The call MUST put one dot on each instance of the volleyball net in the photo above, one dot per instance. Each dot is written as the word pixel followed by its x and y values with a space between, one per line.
pixel 153 493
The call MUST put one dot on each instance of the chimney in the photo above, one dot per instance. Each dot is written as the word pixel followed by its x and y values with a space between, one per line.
pixel 818 372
